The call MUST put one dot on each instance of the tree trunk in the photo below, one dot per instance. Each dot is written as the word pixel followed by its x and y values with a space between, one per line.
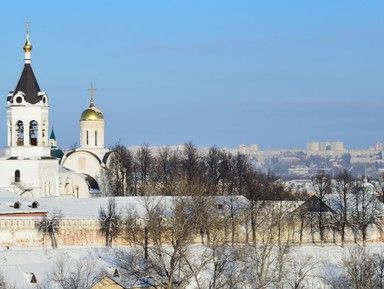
pixel 364 235
pixel 145 243
pixel 253 227
pixel 107 238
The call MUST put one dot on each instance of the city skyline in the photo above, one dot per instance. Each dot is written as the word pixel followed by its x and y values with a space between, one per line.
pixel 169 73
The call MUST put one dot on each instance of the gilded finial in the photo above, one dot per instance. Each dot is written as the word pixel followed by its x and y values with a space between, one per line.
pixel 27 45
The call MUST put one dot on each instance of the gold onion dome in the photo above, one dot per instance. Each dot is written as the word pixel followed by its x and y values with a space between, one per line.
pixel 27 45
pixel 92 113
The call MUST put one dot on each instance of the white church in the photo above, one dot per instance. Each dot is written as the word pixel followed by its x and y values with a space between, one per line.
pixel 28 167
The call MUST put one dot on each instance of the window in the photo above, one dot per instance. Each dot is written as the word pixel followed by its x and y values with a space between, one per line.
pixel 87 141
pixel 17 176
pixel 20 133
pixel 33 133
pixel 95 137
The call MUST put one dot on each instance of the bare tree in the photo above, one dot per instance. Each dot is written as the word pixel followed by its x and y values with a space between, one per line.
pixel 131 226
pixel 167 171
pixel 144 162
pixel 359 269
pixel 50 226
pixel 212 164
pixel 322 184
pixel 166 254
pixel 300 271
pixel 110 221
pixel 380 185
pixel 267 257
pixel 192 170
pixel 365 209
pixel 119 173
pixel 378 259
pixel 344 188
pixel 71 274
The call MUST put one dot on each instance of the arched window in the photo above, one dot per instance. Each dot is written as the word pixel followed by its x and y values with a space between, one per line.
pixel 33 133
pixel 17 176
pixel 43 132
pixel 96 138
pixel 20 133
pixel 17 205
pixel 9 128
pixel 34 205
pixel 87 137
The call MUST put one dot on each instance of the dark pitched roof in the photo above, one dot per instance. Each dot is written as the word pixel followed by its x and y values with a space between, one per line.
pixel 52 135
pixel 28 84
pixel 313 205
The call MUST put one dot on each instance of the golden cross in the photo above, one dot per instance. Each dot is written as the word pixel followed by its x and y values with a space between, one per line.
pixel 91 91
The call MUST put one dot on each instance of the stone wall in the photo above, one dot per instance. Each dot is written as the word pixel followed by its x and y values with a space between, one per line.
pixel 23 232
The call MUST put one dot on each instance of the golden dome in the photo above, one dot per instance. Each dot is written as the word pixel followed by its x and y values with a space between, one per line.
pixel 92 113
pixel 27 46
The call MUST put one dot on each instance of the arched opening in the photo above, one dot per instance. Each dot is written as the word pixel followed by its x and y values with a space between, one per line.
pixel 35 205
pixel 16 205
pixel 43 132
pixel 96 138
pixel 20 133
pixel 17 176
pixel 33 133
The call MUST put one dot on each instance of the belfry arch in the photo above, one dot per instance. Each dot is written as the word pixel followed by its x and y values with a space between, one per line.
pixel 20 133
pixel 33 133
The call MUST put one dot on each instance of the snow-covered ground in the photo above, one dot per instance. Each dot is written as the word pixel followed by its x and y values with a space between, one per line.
pixel 18 265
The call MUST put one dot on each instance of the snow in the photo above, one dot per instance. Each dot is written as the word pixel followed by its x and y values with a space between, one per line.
pixel 8 200
pixel 17 265
pixel 88 208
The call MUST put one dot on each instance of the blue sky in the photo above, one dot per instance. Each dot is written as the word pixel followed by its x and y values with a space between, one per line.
pixel 275 73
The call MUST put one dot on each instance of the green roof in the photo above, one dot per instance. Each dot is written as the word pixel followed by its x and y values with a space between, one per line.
pixel 57 153
pixel 52 135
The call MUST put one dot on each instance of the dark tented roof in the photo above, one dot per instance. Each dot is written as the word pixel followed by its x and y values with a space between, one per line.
pixel 28 84
pixel 53 136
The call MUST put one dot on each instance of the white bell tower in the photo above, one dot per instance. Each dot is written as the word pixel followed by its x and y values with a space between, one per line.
pixel 27 115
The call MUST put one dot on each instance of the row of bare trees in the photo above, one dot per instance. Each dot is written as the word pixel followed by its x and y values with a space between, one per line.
pixel 345 204
pixel 170 172
pixel 227 267
pixel 200 239
pixel 359 269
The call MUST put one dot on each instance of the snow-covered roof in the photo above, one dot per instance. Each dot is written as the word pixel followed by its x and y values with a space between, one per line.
pixel 11 203
pixel 88 208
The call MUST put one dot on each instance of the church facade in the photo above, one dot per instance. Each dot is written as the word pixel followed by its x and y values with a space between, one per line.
pixel 92 156
pixel 29 168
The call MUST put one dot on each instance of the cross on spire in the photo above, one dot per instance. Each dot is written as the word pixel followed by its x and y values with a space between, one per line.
pixel 91 92
pixel 27 24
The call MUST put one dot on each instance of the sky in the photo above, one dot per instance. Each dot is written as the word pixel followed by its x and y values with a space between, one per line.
pixel 219 72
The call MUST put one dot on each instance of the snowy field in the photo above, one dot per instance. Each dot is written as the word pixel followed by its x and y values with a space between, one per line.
pixel 18 265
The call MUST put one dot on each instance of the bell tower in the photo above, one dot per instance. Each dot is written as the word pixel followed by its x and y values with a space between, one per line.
pixel 27 114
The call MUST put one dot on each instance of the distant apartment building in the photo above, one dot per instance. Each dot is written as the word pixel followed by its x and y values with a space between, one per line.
pixel 251 149
pixel 325 148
